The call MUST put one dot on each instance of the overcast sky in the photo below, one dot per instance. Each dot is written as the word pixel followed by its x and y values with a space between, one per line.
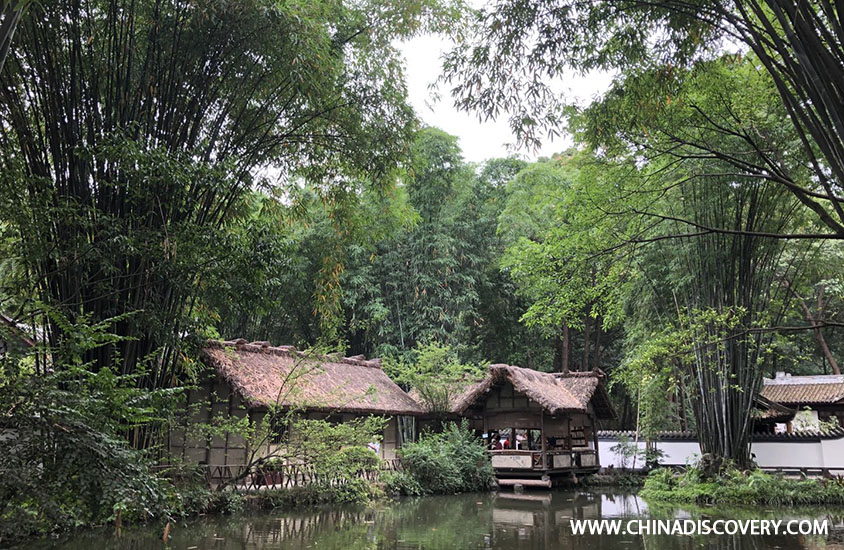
pixel 479 140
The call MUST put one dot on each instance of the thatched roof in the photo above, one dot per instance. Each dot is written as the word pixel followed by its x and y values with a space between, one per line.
pixel 555 392
pixel 804 390
pixel 265 375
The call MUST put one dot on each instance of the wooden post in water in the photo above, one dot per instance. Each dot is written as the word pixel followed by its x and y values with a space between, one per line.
pixel 542 438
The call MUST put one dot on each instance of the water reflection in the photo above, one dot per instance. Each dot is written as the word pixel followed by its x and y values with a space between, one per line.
pixel 532 521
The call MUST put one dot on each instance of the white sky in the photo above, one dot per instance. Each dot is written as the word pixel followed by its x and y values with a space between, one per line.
pixel 479 140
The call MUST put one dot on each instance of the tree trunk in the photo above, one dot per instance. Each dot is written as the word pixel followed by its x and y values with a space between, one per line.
pixel 11 15
pixel 565 360
pixel 819 333
pixel 584 365
pixel 681 397
pixel 557 365
pixel 597 360
pixel 817 323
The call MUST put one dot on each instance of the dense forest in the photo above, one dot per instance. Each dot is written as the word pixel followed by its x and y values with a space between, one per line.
pixel 173 171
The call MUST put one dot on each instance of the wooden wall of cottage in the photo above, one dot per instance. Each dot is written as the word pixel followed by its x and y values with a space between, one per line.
pixel 185 444
pixel 506 408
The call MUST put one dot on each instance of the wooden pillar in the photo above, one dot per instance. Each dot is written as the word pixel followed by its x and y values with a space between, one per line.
pixel 209 417
pixel 231 406
pixel 246 448
pixel 542 438
pixel 595 439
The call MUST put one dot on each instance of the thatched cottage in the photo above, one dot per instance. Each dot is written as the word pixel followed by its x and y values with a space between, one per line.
pixel 539 426
pixel 250 378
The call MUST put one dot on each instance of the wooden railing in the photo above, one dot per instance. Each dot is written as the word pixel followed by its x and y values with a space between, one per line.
pixel 537 460
pixel 285 476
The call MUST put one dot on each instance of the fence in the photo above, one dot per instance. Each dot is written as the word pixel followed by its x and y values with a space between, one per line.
pixel 285 476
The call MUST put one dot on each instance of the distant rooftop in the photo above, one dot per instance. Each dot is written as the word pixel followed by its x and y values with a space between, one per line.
pixel 816 389
pixel 789 379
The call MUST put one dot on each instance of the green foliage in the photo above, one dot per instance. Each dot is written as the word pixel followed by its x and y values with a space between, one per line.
pixel 401 483
pixel 335 446
pixel 382 270
pixel 626 449
pixel 451 461
pixel 649 375
pixel 67 461
pixel 306 496
pixel 517 49
pixel 437 279
pixel 733 486
pixel 558 229
pixel 434 374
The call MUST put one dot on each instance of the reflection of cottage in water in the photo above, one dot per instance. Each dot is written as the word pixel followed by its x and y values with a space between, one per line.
pixel 540 427
pixel 542 520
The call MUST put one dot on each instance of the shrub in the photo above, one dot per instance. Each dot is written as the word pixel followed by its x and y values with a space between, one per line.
pixel 451 461
pixel 734 486
pixel 65 462
pixel 401 483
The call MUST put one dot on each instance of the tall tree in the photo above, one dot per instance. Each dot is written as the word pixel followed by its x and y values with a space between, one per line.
pixel 429 274
pixel 551 255
pixel 712 228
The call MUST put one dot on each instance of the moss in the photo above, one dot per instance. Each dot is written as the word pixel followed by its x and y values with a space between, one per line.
pixel 734 486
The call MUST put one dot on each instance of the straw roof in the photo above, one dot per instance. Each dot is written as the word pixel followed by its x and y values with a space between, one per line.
pixel 555 392
pixel 265 375
pixel 804 390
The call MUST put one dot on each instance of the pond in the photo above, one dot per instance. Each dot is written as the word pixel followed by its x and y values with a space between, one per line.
pixel 535 520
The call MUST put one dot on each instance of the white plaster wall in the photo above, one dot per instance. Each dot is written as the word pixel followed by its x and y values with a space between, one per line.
pixel 788 454
pixel 610 459
pixel 827 453
pixel 679 453
pixel 833 455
